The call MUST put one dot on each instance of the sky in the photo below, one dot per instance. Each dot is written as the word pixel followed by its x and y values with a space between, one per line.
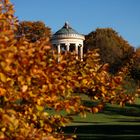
pixel 85 15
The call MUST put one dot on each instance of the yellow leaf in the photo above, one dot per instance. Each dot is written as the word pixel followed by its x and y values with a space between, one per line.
pixel 121 103
pixel 6 38
pixel 50 86
pixel 46 114
pixel 60 68
pixel 24 88
pixel 39 108
pixel 103 89
pixel 41 123
pixel 31 94
pixel 3 129
pixel 2 77
pixel 7 68
pixel 44 88
pixel 21 79
pixel 68 110
pixel 68 78
pixel 95 97
pixel 61 87
pixel 48 128
pixel 95 109
pixel 2 91
pixel 100 106
pixel 34 117
pixel 3 64
pixel 84 81
pixel 39 102
pixel 29 80
pixel 63 124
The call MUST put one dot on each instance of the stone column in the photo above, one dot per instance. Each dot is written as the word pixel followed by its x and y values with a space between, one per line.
pixel 58 50
pixel 76 50
pixel 81 52
pixel 67 47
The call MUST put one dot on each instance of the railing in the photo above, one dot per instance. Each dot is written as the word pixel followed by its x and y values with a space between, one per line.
pixel 77 36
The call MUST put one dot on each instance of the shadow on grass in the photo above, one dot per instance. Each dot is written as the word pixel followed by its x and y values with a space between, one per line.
pixel 133 105
pixel 88 132
pixel 99 131
pixel 128 110
pixel 128 120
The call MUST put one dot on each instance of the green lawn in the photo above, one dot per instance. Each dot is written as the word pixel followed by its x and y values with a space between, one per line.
pixel 113 114
pixel 114 122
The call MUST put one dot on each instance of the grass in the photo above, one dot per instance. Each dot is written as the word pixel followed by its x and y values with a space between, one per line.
pixel 113 114
pixel 88 132
pixel 114 122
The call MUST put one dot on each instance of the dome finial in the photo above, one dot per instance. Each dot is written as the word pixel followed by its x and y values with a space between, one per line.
pixel 67 24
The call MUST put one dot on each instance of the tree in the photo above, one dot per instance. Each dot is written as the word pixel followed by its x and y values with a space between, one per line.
pixel 33 31
pixel 135 66
pixel 113 48
pixel 31 81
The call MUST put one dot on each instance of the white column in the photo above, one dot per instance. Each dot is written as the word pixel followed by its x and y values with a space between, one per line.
pixel 76 50
pixel 67 47
pixel 58 50
pixel 81 52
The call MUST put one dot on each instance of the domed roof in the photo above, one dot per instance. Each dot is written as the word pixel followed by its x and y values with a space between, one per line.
pixel 66 29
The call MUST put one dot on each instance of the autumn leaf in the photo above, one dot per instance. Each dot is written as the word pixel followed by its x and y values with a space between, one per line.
pixel 39 107
pixel 24 88
pixel 3 77
pixel 95 110
pixel 2 91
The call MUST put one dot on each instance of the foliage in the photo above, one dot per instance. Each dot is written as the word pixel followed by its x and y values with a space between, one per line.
pixel 33 31
pixel 25 75
pixel 135 65
pixel 113 48
pixel 31 80
pixel 98 84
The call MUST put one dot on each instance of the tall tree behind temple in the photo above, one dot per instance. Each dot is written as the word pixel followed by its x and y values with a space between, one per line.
pixel 135 65
pixel 113 48
pixel 33 31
